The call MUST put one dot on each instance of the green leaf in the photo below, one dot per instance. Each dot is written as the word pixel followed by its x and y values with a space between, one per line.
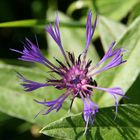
pixel 124 75
pixel 134 13
pixel 125 127
pixel 133 92
pixel 109 31
pixel 15 102
pixel 115 9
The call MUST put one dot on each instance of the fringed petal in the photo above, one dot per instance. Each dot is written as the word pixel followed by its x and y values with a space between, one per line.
pixel 30 85
pixel 55 34
pixel 32 53
pixel 116 60
pixel 54 104
pixel 90 109
pixel 89 33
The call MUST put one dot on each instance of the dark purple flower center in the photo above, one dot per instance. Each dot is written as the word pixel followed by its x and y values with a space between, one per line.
pixel 74 76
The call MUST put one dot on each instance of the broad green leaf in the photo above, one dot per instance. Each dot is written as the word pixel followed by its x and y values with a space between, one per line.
pixel 133 92
pixel 109 31
pixel 125 127
pixel 125 74
pixel 15 102
pixel 134 13
pixel 114 9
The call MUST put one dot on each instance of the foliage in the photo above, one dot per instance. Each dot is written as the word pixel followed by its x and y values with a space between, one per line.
pixel 117 20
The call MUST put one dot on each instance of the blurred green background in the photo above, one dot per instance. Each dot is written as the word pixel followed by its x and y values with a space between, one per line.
pixel 120 11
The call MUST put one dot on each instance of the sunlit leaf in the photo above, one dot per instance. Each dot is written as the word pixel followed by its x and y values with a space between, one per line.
pixel 134 13
pixel 114 9
pixel 124 75
pixel 15 102
pixel 109 31
pixel 124 127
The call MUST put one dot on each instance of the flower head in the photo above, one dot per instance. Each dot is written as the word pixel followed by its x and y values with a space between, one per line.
pixel 76 75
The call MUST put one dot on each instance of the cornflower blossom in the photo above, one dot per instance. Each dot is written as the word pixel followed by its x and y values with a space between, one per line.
pixel 76 75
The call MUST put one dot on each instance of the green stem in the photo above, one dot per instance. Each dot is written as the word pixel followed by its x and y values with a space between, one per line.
pixel 39 23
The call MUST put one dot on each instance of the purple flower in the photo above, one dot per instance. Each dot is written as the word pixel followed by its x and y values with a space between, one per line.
pixel 76 75
pixel 90 110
